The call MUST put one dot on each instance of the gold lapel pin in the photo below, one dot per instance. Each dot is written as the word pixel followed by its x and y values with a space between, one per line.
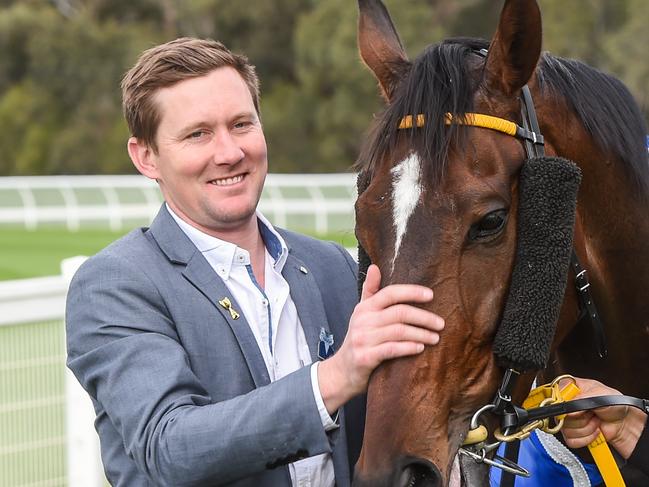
pixel 225 302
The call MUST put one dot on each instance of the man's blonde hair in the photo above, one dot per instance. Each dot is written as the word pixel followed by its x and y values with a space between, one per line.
pixel 167 64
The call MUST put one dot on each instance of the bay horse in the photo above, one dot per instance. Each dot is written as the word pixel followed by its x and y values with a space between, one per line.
pixel 439 210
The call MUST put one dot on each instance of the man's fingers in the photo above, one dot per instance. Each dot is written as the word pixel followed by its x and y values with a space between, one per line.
pixel 580 429
pixel 612 413
pixel 401 332
pixel 372 282
pixel 581 441
pixel 400 293
pixel 578 418
pixel 405 313
pixel 590 388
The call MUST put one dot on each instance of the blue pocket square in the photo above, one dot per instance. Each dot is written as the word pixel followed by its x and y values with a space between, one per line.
pixel 325 345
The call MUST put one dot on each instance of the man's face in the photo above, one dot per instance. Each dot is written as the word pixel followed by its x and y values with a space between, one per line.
pixel 212 158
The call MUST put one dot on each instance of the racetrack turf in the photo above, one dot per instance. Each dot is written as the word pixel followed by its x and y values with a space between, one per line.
pixel 25 254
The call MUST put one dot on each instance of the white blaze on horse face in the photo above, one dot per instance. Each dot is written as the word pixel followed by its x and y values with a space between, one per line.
pixel 406 190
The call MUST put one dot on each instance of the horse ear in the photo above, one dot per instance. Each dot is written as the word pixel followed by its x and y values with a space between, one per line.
pixel 380 46
pixel 515 48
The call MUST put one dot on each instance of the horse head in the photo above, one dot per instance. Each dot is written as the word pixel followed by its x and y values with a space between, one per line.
pixel 438 207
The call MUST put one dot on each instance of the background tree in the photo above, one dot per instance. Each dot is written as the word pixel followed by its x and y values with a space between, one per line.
pixel 63 59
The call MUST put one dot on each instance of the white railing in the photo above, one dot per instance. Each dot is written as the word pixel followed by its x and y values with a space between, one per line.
pixel 32 300
pixel 46 419
pixel 317 202
pixel 60 200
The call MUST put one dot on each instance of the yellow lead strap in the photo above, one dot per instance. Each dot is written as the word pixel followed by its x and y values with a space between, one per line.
pixel 605 462
pixel 599 449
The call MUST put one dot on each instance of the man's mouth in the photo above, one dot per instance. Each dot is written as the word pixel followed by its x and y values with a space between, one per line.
pixel 227 181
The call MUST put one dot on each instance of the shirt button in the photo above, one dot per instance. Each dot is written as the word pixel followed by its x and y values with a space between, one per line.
pixel 240 258
pixel 264 302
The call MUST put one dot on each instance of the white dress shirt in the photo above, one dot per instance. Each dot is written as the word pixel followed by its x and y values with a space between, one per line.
pixel 274 321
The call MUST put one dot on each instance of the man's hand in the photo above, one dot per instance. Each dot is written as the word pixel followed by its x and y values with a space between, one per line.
pixel 382 327
pixel 620 425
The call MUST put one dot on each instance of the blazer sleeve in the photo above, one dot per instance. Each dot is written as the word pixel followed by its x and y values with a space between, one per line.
pixel 124 349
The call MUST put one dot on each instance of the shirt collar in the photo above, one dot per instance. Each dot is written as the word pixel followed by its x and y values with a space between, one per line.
pixel 222 255
pixel 275 244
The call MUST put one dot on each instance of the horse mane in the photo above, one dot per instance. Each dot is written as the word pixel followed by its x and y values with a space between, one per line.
pixel 606 109
pixel 442 80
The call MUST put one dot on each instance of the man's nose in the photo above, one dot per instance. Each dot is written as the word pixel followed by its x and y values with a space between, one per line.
pixel 227 149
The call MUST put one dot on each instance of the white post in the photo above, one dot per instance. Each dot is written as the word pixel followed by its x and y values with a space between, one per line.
pixel 83 455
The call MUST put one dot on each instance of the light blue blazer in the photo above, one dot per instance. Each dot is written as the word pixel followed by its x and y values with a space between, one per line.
pixel 180 388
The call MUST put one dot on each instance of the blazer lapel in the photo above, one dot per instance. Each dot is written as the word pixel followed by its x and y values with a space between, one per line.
pixel 308 302
pixel 180 249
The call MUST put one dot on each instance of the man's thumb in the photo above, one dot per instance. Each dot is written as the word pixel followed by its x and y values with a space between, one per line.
pixel 372 282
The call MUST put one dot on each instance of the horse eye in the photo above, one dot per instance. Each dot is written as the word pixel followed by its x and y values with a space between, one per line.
pixel 489 226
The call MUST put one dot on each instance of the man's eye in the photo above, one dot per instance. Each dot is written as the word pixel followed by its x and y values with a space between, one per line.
pixel 196 134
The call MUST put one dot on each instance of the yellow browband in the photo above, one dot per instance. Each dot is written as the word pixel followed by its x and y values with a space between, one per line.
pixel 472 119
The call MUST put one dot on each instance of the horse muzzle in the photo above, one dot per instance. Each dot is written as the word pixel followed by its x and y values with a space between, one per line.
pixel 416 472
pixel 411 472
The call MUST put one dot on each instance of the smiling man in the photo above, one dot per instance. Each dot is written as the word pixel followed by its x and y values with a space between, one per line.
pixel 207 341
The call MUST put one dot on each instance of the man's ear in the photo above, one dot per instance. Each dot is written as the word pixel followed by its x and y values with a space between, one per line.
pixel 143 157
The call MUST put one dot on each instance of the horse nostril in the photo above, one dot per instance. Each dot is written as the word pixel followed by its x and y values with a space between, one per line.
pixel 420 474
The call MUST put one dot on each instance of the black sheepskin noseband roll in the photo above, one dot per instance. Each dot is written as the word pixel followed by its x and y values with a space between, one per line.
pixel 546 216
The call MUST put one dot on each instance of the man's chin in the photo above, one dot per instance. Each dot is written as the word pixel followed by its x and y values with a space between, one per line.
pixel 232 220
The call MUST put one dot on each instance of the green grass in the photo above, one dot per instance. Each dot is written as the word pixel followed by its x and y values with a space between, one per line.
pixel 38 253
pixel 25 254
